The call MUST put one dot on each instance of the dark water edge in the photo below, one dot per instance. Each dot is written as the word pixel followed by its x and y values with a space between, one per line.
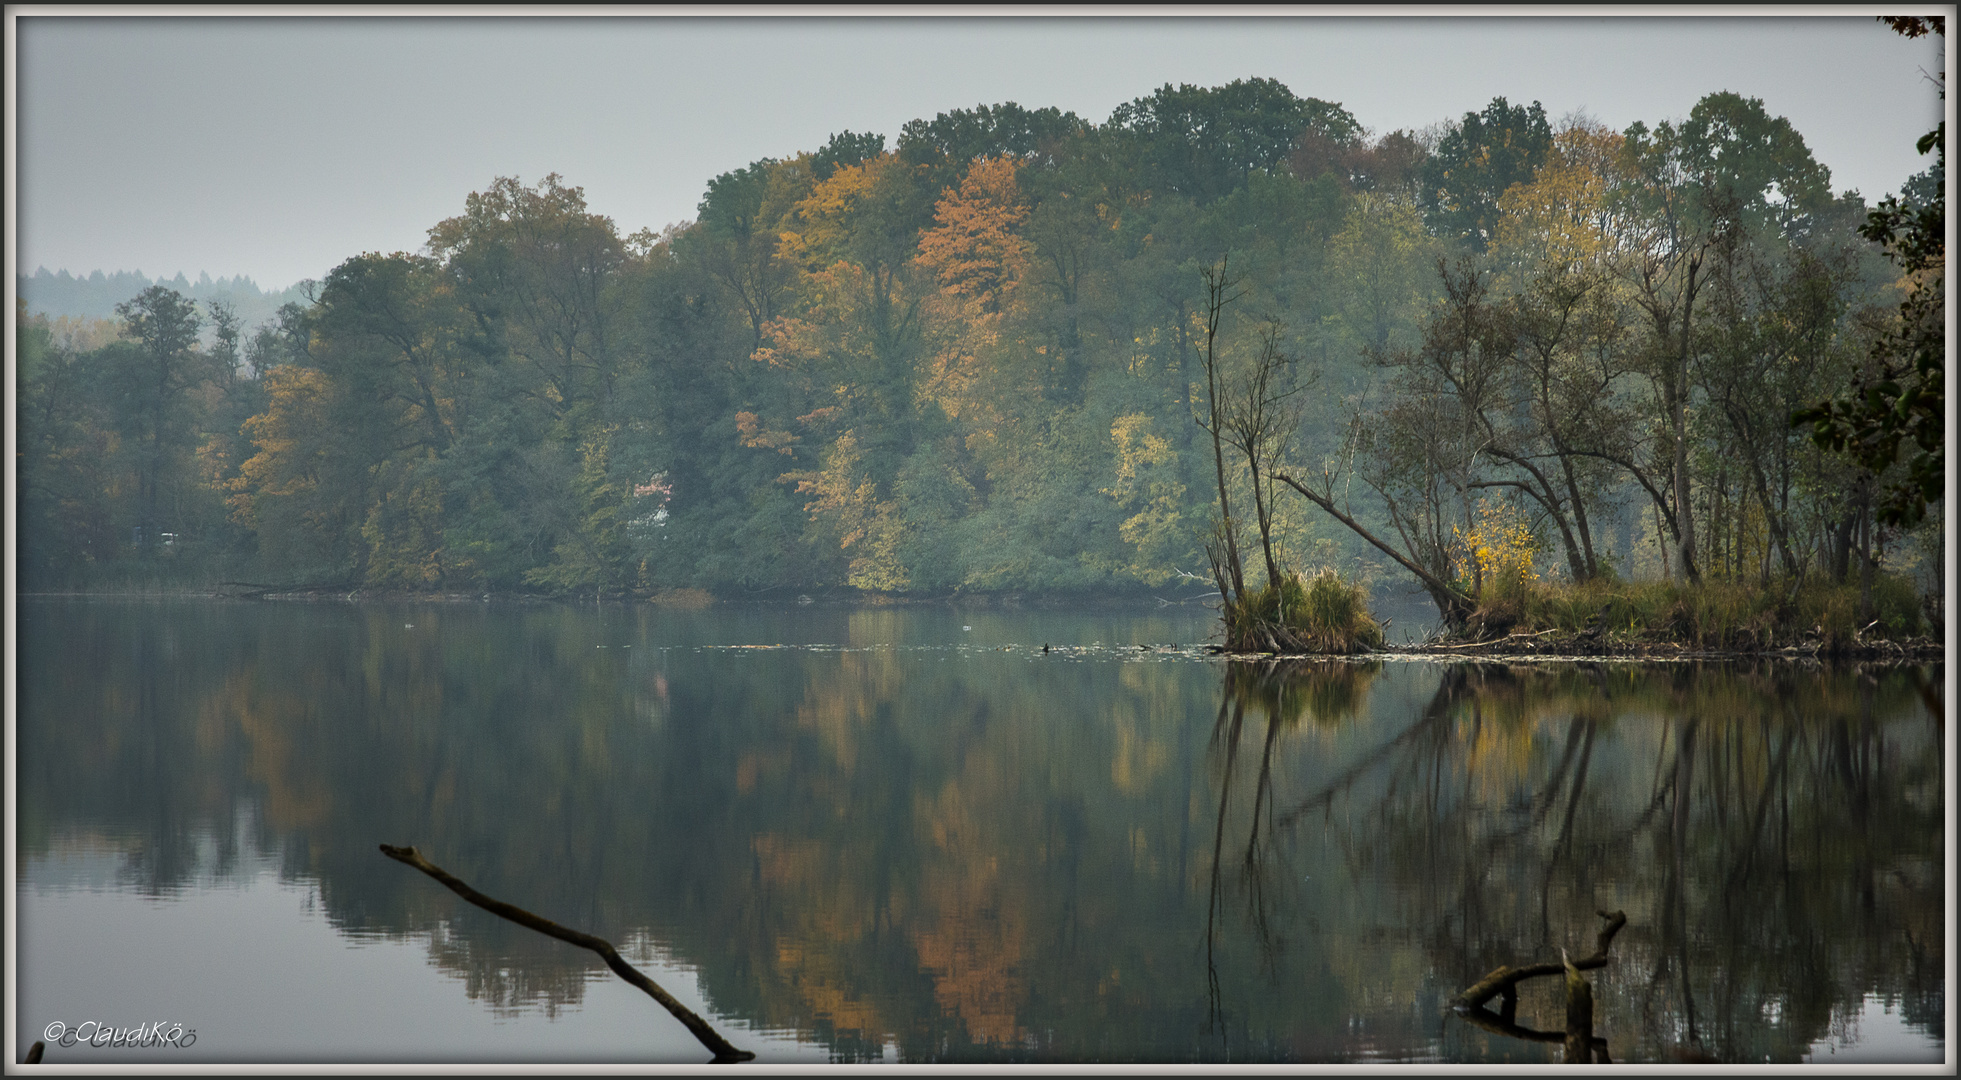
pixel 908 834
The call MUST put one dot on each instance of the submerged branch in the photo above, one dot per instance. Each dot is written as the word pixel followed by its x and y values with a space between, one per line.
pixel 709 1037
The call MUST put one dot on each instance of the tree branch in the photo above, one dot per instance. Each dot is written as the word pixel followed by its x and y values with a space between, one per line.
pixel 709 1037
pixel 1506 979
pixel 1438 587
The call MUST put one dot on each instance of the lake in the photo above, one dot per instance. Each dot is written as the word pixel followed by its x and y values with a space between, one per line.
pixel 927 834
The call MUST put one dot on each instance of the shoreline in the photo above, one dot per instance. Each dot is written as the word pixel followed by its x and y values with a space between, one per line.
pixel 1916 652
pixel 1548 645
pixel 673 598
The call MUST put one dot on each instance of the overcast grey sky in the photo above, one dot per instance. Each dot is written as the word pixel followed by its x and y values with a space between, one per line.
pixel 278 146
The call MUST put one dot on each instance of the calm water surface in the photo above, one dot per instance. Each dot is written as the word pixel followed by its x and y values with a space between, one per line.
pixel 912 835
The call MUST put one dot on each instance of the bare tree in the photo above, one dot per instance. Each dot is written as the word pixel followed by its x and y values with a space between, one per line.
pixel 1223 546
pixel 1262 414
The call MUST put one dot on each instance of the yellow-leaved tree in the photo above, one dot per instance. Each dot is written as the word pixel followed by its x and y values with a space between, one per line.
pixel 1566 221
pixel 1150 495
pixel 869 528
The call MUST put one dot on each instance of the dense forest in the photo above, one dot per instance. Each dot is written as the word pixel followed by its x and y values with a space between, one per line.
pixel 95 297
pixel 1019 351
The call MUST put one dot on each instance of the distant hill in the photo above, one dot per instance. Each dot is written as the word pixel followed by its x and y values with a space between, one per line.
pixel 97 295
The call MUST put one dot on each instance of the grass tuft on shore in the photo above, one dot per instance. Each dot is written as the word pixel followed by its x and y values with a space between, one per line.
pixel 1324 614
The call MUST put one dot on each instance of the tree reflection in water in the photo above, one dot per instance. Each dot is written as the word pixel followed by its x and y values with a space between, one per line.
pixel 1284 694
pixel 1003 855
pixel 1778 857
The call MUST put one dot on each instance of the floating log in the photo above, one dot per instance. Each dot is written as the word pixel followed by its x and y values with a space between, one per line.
pixel 710 1038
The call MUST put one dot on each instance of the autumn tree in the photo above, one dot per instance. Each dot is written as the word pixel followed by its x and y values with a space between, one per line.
pixel 974 248
pixel 303 490
pixel 1391 166
pixel 855 334
pixel 976 254
pixel 1573 417
pixel 855 237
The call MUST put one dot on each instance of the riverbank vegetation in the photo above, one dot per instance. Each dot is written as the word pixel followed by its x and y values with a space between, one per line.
pixel 1019 351
pixel 1621 618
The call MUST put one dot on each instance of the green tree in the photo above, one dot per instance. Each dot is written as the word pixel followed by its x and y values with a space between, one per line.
pixel 1004 130
pixel 845 149
pixel 1477 160
pixel 594 550
pixel 155 380
pixel 1672 224
pixel 1379 266
pixel 538 266
pixel 1901 414
pixel 737 239
pixel 63 461
pixel 386 335
pixel 1203 142
pixel 1772 339
pixel 1757 163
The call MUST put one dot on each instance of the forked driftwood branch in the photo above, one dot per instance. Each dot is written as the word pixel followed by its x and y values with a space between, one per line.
pixel 709 1037
pixel 1505 980
pixel 1491 1022
pixel 1581 1046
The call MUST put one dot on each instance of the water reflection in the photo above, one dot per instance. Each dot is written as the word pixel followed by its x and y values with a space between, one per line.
pixel 1774 834
pixel 1279 695
pixel 899 837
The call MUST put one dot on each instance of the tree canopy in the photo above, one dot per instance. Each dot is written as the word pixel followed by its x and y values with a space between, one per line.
pixel 978 359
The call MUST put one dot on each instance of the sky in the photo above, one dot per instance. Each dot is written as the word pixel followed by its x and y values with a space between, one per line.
pixel 277 146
